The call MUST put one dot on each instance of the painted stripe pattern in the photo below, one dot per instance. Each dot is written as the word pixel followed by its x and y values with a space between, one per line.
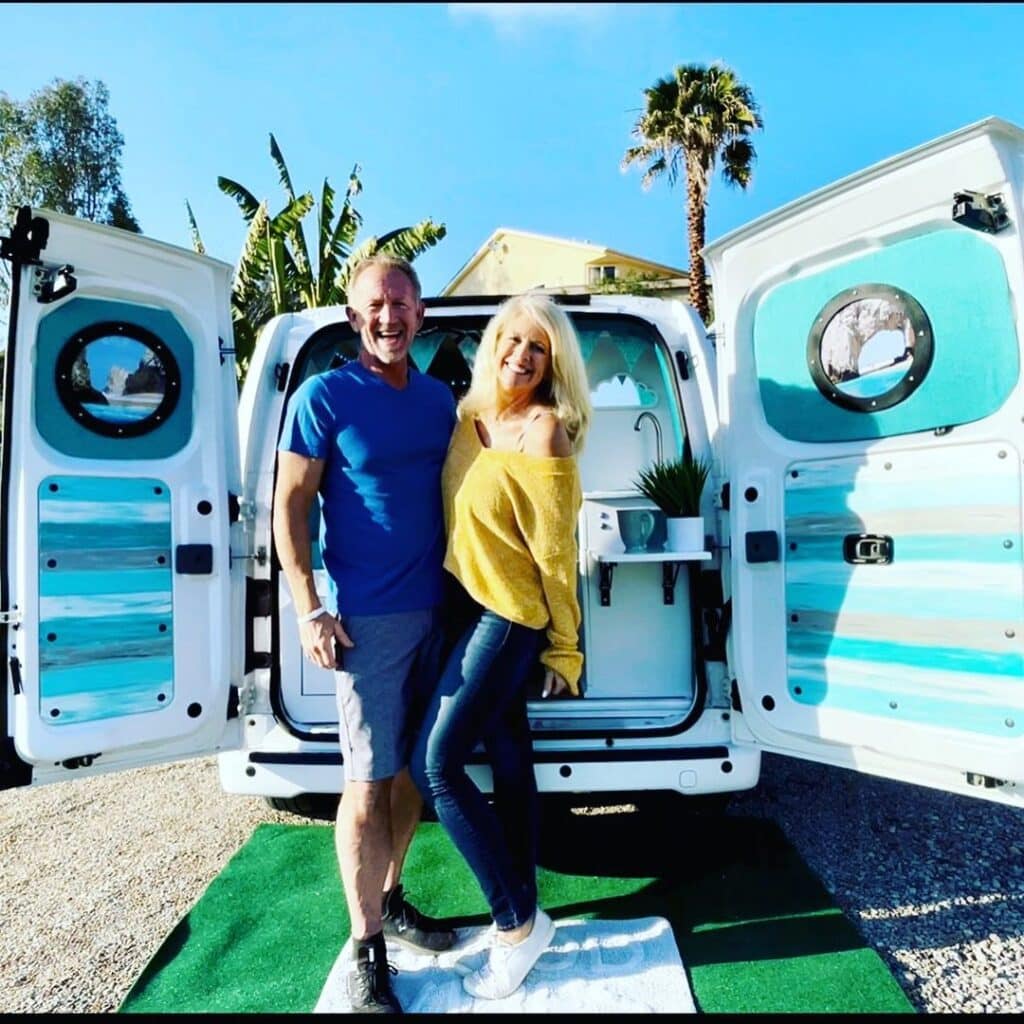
pixel 935 635
pixel 105 609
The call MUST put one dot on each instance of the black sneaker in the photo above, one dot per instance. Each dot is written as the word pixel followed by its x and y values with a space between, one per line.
pixel 369 984
pixel 404 924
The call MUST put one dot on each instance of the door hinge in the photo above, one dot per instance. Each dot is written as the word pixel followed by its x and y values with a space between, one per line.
pixel 981 212
pixel 281 376
pixel 258 605
pixel 27 239
pixel 11 617
pixel 83 761
pixel 240 508
pixel 257 598
pixel 52 283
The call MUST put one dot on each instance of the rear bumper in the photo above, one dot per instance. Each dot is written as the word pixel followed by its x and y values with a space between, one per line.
pixel 713 768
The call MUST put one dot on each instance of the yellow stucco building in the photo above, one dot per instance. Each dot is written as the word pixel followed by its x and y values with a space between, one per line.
pixel 513 261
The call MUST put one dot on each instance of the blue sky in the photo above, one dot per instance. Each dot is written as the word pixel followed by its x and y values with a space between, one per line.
pixel 516 115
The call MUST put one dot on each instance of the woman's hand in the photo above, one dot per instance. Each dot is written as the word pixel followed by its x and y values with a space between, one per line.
pixel 554 684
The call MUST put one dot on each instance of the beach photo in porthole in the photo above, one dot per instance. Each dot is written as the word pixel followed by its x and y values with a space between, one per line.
pixel 870 347
pixel 117 379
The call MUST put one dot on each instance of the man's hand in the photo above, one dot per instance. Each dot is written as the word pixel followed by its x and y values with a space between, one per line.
pixel 318 639
pixel 554 684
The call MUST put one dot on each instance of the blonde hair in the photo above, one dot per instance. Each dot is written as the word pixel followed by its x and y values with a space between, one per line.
pixel 565 389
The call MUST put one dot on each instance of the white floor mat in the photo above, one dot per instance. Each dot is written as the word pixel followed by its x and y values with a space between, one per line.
pixel 590 967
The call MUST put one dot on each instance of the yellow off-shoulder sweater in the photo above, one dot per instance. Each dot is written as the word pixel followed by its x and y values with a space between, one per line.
pixel 511 520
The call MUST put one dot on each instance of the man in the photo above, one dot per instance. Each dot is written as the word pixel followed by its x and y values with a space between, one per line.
pixel 371 437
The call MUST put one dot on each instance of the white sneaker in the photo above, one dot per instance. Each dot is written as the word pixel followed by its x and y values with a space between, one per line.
pixel 507 966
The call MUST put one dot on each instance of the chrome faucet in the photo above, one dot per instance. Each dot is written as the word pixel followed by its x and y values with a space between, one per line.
pixel 657 428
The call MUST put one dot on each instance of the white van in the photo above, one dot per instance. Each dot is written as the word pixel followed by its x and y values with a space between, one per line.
pixel 859 599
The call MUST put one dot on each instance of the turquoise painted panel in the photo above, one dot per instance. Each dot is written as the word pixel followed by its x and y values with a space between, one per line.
pixel 105 609
pixel 59 429
pixel 988 489
pixel 969 602
pixel 108 677
pixel 139 636
pixel 920 638
pixel 139 582
pixel 952 659
pixel 959 279
pixel 85 693
pixel 987 719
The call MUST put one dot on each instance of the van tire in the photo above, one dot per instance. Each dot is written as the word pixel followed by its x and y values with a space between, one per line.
pixel 319 806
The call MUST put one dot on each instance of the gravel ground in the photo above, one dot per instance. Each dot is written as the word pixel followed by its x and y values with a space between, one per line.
pixel 933 881
pixel 95 873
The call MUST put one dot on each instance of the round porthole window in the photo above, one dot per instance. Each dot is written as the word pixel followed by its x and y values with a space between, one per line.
pixel 870 347
pixel 118 379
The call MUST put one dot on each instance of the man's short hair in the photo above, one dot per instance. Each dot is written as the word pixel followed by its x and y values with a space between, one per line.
pixel 386 261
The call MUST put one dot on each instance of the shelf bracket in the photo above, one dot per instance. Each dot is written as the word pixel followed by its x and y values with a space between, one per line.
pixel 669 575
pixel 606 569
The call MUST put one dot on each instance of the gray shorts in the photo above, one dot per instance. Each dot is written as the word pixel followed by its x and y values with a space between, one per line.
pixel 383 686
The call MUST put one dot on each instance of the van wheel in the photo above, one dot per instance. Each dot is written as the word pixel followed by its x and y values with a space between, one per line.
pixel 319 806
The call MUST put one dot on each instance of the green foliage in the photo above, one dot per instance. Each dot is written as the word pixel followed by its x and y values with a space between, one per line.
pixel 61 149
pixel 700 115
pixel 676 486
pixel 276 272
pixel 633 282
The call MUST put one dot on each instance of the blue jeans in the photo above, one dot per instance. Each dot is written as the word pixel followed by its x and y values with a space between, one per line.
pixel 481 697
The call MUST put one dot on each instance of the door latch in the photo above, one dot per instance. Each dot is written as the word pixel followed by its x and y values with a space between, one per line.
pixel 867 549
pixel 54 283
pixel 979 211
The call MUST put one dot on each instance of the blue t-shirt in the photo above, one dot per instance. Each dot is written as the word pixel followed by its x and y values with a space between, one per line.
pixel 382 523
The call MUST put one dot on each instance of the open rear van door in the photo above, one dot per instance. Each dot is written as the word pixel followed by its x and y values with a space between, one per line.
pixel 871 400
pixel 119 486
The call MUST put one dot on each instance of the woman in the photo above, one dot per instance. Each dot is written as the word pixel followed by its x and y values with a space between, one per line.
pixel 512 495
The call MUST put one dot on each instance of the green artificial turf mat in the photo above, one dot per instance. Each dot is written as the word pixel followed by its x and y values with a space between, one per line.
pixel 756 930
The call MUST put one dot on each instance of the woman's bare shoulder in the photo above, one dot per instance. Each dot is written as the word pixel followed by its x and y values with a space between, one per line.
pixel 546 436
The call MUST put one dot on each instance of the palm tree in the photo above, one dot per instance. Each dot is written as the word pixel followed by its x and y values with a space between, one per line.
pixel 690 120
pixel 275 273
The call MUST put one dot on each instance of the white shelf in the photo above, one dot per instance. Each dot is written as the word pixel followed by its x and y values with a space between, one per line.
pixel 652 556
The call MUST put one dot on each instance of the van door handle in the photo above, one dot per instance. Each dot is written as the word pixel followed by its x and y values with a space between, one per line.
pixel 867 549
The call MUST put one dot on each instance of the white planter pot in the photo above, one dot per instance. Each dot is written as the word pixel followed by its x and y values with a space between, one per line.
pixel 685 534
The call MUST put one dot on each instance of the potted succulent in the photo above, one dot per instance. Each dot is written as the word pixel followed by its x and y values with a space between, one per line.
pixel 676 488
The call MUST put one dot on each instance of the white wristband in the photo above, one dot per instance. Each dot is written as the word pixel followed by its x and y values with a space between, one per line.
pixel 314 614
